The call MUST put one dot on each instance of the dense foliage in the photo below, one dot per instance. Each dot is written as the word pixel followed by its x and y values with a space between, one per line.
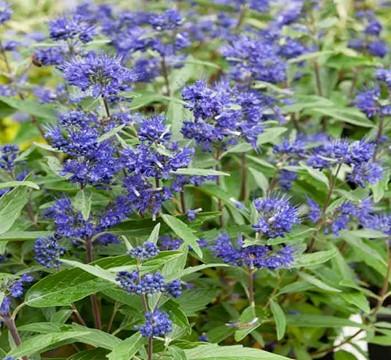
pixel 195 179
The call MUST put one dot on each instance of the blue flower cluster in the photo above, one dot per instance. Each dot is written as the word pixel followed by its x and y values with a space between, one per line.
pixel 78 135
pixel 148 284
pixel 151 166
pixel 253 256
pixel 48 251
pixel 369 41
pixel 276 216
pixel 157 323
pixel 98 74
pixel 223 114
pixel 255 58
pixel 15 290
pixel 343 215
pixel 146 251
pixel 371 101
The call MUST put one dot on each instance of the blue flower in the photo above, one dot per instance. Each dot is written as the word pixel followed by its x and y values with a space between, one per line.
pixel 68 28
pixel 17 288
pixel 133 282
pixel 5 12
pixel 100 74
pixel 254 256
pixel 255 59
pixel 276 216
pixel 157 323
pixel 48 251
pixel 366 173
pixel 368 101
pixel 168 20
pixel 146 251
pixel 48 56
pixel 166 242
pixel 8 155
pixel 384 75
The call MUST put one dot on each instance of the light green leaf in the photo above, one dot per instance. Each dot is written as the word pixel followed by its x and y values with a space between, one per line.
pixel 14 184
pixel 127 348
pixel 199 172
pixel 11 206
pixel 37 344
pixel 237 352
pixel 93 270
pixel 320 321
pixel 82 203
pixel 260 179
pixel 314 259
pixel 184 232
pixel 279 318
pixel 318 283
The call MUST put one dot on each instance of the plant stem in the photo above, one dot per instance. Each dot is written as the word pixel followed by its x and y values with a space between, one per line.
pixel 251 297
pixel 218 183
pixel 322 218
pixel 10 324
pixel 165 75
pixel 183 202
pixel 77 315
pixel 385 287
pixel 93 298
pixel 150 348
pixel 243 189
pixel 378 137
pixel 112 317
pixel 242 16
pixel 106 105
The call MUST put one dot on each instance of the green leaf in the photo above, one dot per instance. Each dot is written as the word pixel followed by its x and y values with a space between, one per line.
pixel 127 348
pixel 86 335
pixel 260 179
pixel 320 321
pixel 279 318
pixel 199 172
pixel 318 283
pixel 70 285
pixel 248 322
pixel 184 232
pixel 314 259
pixel 39 343
pixel 270 135
pixel 13 184
pixel 357 299
pixel 344 355
pixel 93 270
pixel 96 354
pixel 110 133
pixel 82 202
pixel 153 238
pixel 11 206
pixel 23 235
pixel 317 175
pixel 31 107
pixel 237 352
pixel 177 315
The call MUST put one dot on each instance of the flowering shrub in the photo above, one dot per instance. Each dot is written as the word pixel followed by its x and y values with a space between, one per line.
pixel 200 180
